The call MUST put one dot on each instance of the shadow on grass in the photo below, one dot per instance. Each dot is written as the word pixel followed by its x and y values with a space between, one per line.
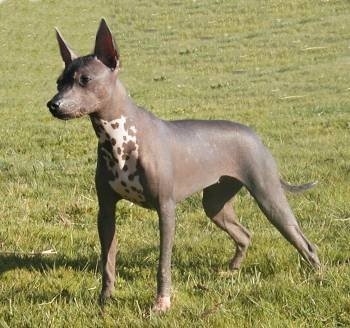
pixel 44 263
pixel 131 262
pixel 127 265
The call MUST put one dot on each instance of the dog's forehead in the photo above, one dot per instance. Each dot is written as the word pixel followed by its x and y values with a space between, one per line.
pixel 78 64
pixel 86 65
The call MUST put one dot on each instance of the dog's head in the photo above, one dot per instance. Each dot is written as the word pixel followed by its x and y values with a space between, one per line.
pixel 86 83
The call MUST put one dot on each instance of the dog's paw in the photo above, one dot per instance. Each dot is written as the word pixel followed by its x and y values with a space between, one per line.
pixel 162 304
pixel 104 297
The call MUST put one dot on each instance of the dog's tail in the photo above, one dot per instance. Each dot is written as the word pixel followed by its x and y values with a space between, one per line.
pixel 299 188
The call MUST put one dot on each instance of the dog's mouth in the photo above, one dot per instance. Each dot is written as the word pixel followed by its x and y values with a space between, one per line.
pixel 61 116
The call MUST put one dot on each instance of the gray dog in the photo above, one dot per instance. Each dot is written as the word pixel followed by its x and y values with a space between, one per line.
pixel 156 163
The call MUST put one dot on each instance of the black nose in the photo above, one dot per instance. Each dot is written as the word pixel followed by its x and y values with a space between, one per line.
pixel 53 105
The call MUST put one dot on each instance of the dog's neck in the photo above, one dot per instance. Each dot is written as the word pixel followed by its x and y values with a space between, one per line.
pixel 115 125
pixel 119 108
pixel 119 104
pixel 117 137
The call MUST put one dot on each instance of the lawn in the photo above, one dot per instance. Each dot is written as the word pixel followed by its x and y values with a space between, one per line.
pixel 280 67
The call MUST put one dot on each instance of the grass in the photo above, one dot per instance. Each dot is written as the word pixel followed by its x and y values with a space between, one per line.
pixel 279 67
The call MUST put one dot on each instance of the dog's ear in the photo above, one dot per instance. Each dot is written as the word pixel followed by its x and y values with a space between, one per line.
pixel 66 52
pixel 105 47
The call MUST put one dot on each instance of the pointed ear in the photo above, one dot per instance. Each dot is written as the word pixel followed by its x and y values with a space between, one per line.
pixel 66 53
pixel 105 47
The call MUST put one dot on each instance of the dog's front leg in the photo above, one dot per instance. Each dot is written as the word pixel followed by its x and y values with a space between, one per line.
pixel 166 213
pixel 107 201
pixel 106 232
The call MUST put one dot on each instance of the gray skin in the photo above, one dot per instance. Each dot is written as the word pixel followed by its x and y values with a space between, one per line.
pixel 175 159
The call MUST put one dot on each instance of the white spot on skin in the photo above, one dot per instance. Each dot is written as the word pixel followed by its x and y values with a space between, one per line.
pixel 120 135
pixel 162 304
pixel 122 162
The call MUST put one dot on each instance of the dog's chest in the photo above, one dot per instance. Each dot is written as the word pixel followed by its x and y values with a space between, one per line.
pixel 120 151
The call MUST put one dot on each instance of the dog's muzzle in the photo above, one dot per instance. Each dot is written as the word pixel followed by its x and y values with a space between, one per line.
pixel 54 106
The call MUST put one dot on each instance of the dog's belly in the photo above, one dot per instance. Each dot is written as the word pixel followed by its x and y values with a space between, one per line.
pixel 204 152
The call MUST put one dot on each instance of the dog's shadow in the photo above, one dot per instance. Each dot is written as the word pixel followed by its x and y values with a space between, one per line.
pixel 126 265
pixel 42 263
pixel 127 268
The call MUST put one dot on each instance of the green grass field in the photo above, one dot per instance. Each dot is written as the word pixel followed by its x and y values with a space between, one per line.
pixel 281 67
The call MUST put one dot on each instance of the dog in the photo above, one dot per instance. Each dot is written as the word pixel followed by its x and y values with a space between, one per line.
pixel 156 163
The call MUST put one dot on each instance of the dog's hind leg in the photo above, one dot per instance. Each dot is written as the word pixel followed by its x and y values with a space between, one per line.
pixel 274 205
pixel 264 184
pixel 217 204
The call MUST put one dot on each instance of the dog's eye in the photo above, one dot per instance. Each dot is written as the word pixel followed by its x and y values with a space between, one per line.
pixel 84 80
pixel 59 83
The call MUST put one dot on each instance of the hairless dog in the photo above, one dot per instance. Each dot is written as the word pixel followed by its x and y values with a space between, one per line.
pixel 156 163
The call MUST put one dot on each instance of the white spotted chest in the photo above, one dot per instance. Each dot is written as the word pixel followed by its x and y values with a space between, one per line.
pixel 122 160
